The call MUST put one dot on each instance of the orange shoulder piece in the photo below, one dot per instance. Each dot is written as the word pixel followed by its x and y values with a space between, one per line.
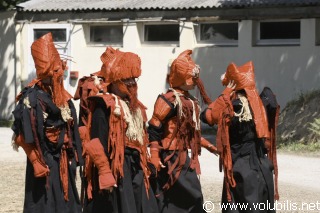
pixel 162 108
pixel 169 96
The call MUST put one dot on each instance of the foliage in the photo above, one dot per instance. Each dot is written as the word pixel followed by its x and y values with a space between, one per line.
pixel 315 126
pixel 9 4
pixel 303 98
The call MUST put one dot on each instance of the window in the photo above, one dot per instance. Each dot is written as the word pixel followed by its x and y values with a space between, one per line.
pixel 279 33
pixel 59 35
pixel 217 33
pixel 161 33
pixel 111 34
pixel 317 31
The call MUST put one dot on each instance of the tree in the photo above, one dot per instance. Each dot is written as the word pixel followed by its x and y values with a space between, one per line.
pixel 9 4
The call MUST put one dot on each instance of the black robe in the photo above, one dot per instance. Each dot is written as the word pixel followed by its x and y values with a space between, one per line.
pixel 45 194
pixel 185 195
pixel 130 195
pixel 252 170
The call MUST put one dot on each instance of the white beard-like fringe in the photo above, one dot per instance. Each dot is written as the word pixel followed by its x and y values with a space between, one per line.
pixel 177 102
pixel 245 113
pixel 135 130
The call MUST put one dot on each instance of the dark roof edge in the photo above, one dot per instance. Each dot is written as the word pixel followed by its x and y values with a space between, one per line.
pixel 220 13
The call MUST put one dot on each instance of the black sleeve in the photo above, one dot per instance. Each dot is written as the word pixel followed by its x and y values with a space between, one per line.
pixel 155 133
pixel 100 124
pixel 203 116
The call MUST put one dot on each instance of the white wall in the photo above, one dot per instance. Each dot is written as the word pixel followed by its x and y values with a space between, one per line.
pixel 7 65
pixel 288 70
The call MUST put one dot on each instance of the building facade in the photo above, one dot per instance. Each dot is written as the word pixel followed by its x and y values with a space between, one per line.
pixel 282 38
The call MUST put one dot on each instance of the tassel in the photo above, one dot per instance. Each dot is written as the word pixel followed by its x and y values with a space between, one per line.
pixel 116 110
pixel 177 102
pixel 195 119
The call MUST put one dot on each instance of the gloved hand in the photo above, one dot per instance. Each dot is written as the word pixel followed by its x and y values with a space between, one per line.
pixel 95 150
pixel 155 158
pixel 39 167
pixel 210 147
pixel 229 90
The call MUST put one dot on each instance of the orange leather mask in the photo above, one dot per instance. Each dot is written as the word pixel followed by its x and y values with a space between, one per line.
pixel 119 65
pixel 243 76
pixel 183 70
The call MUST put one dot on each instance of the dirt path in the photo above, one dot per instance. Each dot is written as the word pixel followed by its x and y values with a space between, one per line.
pixel 299 192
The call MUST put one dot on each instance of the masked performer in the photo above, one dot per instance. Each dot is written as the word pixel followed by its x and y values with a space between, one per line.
pixel 88 86
pixel 242 132
pixel 173 130
pixel 45 126
pixel 116 144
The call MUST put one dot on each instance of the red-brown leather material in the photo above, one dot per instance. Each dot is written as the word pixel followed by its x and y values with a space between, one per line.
pixel 119 65
pixel 215 113
pixel 84 134
pixel 206 144
pixel 106 180
pixel 45 55
pixel 180 134
pixel 95 150
pixel 222 112
pixel 243 76
pixel 86 88
pixel 40 168
pixel 181 70
pixel 259 113
pixel 53 135
pixel 64 173
pixel 160 111
pixel 117 127
pixel 49 65
pixel 208 116
pixel 155 156
pixel 169 142
pixel 227 91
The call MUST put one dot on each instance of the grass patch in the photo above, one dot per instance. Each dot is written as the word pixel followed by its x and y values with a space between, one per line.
pixel 311 149
pixel 6 123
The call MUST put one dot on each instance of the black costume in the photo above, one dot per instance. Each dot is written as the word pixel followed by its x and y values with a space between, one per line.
pixel 245 142
pixel 46 194
pixel 116 145
pixel 252 170
pixel 130 195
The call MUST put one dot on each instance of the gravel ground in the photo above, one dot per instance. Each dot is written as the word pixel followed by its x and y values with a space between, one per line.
pixel 299 183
